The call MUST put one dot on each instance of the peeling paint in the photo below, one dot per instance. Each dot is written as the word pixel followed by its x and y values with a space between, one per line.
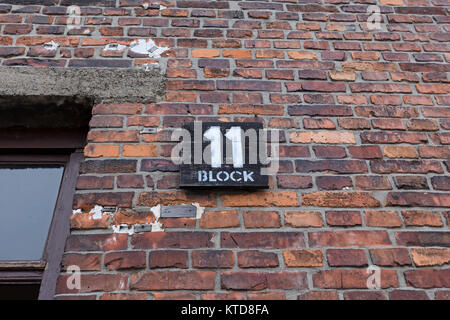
pixel 156 226
pixel 200 210
pixel 147 47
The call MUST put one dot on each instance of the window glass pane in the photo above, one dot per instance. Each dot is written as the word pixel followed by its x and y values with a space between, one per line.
pixel 27 200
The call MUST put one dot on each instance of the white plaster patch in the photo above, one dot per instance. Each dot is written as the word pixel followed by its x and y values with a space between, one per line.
pixel 123 228
pixel 200 210
pixel 150 66
pixel 114 47
pixel 51 45
pixel 156 226
pixel 147 47
pixel 97 212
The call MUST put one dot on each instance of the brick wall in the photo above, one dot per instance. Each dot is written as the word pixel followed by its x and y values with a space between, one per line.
pixel 364 158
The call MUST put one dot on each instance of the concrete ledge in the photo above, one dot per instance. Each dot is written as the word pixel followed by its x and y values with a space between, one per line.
pixel 96 84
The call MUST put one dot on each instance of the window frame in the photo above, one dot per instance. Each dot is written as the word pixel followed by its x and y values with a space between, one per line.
pixel 63 149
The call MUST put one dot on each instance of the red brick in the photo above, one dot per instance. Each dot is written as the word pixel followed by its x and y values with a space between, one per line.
pixel 352 279
pixel 319 295
pixel 86 262
pixel 173 296
pixel 238 280
pixel 168 259
pixel 212 259
pixel 428 278
pixel 257 259
pixel 364 295
pixel 173 280
pixel 261 219
pixel 390 257
pixel 303 258
pixel 344 238
pixel 123 296
pixel 125 260
pixel 261 199
pixel 343 218
pixel 304 219
pixel 385 218
pixel 408 295
pixel 269 295
pixel 346 258
pixel 93 283
pixel 267 240
pixel 97 242
pixel 422 218
pixel 340 199
pixel 89 221
pixel 219 219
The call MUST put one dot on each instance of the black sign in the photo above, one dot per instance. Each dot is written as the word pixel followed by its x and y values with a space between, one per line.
pixel 223 154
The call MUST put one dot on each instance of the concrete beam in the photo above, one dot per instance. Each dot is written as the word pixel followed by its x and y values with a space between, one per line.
pixel 97 84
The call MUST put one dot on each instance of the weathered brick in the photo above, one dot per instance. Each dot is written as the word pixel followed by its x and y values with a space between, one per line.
pixel 346 258
pixel 423 238
pixel 344 238
pixel 94 283
pixel 384 218
pixel 125 260
pixel 267 240
pixel 238 280
pixel 219 219
pixel 426 257
pixel 319 295
pixel 340 199
pixel 97 242
pixel 261 219
pixel 166 240
pixel 261 199
pixel 422 218
pixel 352 279
pixel 411 199
pixel 408 295
pixel 428 278
pixel 89 221
pixel 168 259
pixel 303 258
pixel 257 259
pixel 304 219
pixel 173 280
pixel 212 259
pixel 86 262
pixel 343 218
pixel 151 199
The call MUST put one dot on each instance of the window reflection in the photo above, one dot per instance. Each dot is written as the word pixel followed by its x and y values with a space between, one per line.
pixel 28 195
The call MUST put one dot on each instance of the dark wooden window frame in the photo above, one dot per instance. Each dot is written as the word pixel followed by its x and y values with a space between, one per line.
pixel 44 147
